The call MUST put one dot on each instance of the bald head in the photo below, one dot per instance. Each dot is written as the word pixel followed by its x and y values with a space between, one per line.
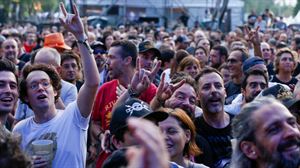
pixel 48 56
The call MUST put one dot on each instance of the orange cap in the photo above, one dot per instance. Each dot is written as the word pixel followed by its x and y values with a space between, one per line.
pixel 55 40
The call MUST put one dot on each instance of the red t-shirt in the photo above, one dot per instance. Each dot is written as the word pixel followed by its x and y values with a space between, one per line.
pixel 104 102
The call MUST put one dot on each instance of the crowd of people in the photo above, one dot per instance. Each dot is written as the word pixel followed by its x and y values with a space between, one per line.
pixel 141 96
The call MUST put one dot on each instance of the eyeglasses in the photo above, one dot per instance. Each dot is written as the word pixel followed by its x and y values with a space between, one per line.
pixel 99 51
pixel 35 85
pixel 233 61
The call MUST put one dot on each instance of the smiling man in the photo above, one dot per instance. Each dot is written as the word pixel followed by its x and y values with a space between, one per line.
pixel 266 135
pixel 8 91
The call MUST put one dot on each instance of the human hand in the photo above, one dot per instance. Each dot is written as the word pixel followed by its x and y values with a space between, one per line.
pixel 92 153
pixel 165 90
pixel 72 22
pixel 152 151
pixel 120 90
pixel 143 78
pixel 252 35
pixel 39 162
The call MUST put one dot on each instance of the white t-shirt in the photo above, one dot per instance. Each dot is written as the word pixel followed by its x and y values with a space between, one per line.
pixel 68 131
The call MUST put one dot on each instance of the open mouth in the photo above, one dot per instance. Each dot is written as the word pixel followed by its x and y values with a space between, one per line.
pixel 41 97
pixel 7 99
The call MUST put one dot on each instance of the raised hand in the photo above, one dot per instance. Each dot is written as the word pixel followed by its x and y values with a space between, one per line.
pixel 252 35
pixel 152 151
pixel 143 78
pixel 72 22
pixel 165 90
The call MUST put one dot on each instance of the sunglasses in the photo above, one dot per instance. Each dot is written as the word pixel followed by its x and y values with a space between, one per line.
pixel 99 51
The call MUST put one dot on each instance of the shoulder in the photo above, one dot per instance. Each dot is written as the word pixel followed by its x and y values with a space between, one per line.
pixel 109 84
pixel 23 124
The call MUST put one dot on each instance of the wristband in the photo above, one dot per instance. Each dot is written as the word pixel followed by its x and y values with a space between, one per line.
pixel 86 44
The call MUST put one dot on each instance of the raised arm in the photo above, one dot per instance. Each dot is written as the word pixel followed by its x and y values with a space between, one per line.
pixel 87 93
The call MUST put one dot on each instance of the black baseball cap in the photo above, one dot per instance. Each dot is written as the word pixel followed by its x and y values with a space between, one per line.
pixel 148 46
pixel 133 108
pixel 250 62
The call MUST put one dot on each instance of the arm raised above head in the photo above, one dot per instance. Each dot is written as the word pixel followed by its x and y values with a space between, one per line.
pixel 87 93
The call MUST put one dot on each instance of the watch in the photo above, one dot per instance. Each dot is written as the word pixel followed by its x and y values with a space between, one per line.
pixel 86 44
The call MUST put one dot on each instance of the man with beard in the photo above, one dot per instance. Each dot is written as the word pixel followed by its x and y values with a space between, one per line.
pixel 214 124
pixel 11 52
pixel 147 55
pixel 253 83
pixel 121 62
pixel 266 135
pixel 8 91
pixel 218 55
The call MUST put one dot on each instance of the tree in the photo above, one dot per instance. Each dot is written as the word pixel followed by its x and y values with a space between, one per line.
pixel 297 8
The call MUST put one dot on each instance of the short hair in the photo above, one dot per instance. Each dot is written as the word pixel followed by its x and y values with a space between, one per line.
pixel 55 56
pixel 180 54
pixel 188 61
pixel 129 49
pixel 166 56
pixel 243 129
pixel 49 70
pixel 6 65
pixel 278 55
pixel 179 76
pixel 207 70
pixel 69 54
pixel 222 50
pixel 244 55
pixel 203 48
pixel 186 123
pixel 253 72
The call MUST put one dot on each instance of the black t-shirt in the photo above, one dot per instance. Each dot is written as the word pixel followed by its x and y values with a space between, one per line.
pixel 292 81
pixel 232 90
pixel 297 70
pixel 219 141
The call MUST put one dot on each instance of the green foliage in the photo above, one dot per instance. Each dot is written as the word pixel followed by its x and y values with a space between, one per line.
pixel 297 8
pixel 260 5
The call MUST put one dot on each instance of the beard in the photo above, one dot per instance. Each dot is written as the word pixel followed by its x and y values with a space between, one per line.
pixel 277 159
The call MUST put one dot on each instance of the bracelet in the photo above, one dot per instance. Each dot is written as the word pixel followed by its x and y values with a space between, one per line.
pixel 86 44
pixel 161 102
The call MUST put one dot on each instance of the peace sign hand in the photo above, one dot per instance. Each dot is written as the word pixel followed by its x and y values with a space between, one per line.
pixel 72 22
pixel 252 35
pixel 143 78
pixel 165 90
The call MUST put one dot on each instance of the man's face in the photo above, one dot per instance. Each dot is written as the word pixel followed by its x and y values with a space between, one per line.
pixel 8 92
pixel 185 98
pixel 255 84
pixel 115 62
pixel 40 93
pixel 215 58
pixel 10 49
pixel 277 136
pixel 266 51
pixel 69 70
pixel 146 59
pixel 31 38
pixel 235 63
pixel 212 93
